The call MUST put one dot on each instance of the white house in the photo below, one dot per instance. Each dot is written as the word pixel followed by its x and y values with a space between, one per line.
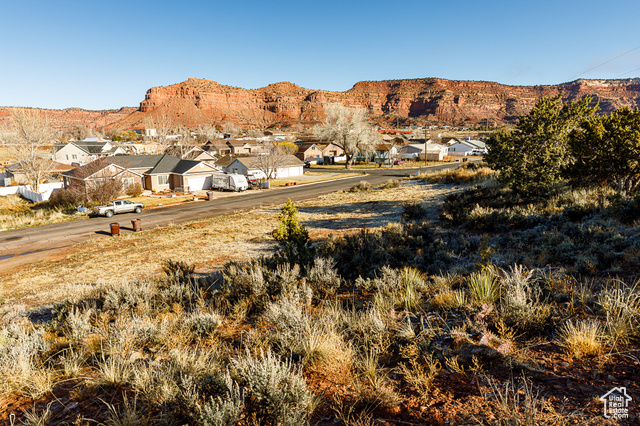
pixel 84 151
pixel 288 167
pixel 415 151
pixel 467 147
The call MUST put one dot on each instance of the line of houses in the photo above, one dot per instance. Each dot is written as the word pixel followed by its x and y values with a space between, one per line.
pixel 190 168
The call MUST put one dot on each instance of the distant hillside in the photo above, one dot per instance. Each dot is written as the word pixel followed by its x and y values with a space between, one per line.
pixel 67 119
pixel 418 101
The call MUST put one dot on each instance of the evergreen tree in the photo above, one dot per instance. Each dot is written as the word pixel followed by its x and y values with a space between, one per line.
pixel 606 150
pixel 293 237
pixel 536 155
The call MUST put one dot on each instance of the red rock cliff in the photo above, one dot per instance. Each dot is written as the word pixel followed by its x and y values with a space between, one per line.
pixel 419 101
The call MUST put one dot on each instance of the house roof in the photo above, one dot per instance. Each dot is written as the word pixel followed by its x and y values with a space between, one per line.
pixel 187 152
pixel 92 147
pixel 415 146
pixel 155 164
pixel 307 145
pixel 225 161
pixel 90 169
pixel 237 142
pixel 384 147
pixel 473 144
pixel 51 167
pixel 136 161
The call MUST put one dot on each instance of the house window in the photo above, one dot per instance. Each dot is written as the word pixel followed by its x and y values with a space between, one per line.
pixel 163 179
pixel 67 157
pixel 127 182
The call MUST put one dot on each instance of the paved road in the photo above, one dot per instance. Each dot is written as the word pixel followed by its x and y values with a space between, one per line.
pixel 29 245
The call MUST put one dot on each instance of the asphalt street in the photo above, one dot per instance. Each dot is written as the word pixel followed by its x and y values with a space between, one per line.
pixel 28 245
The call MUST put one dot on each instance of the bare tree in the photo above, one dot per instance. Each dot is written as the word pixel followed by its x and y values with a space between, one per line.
pixel 207 132
pixel 98 181
pixel 349 129
pixel 272 157
pixel 229 128
pixel 163 127
pixel 28 139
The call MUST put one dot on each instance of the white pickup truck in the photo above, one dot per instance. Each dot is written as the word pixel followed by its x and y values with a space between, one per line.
pixel 118 206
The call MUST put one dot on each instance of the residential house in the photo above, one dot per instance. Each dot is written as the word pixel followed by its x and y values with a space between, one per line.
pixel 173 173
pixel 309 151
pixel 467 147
pixel 187 152
pixel 84 151
pixel 415 151
pixel 85 177
pixel 385 153
pixel 289 166
pixel 15 172
pixel 412 151
pixel 217 147
pixel 331 150
pixel 244 146
pixel 223 162
pixel 156 172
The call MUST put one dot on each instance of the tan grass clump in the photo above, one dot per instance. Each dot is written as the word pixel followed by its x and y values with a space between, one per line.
pixel 581 339
pixel 460 175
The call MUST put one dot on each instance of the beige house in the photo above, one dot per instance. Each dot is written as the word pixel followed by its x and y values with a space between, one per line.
pixel 172 173
pixel 309 151
pixel 332 150
pixel 157 172
pixel 187 152
pixel 84 177
pixel 52 169
pixel 85 151
pixel 217 147
pixel 244 146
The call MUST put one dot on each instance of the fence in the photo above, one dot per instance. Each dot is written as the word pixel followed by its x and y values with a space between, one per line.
pixel 26 192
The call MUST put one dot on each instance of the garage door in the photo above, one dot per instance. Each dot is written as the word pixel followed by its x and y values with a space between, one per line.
pixel 199 183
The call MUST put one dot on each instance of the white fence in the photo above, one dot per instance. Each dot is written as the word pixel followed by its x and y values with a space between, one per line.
pixel 26 192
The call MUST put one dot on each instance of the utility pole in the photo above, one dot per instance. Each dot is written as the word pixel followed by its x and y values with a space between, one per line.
pixel 426 140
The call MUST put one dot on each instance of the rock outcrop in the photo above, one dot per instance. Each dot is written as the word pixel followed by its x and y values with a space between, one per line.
pixel 418 101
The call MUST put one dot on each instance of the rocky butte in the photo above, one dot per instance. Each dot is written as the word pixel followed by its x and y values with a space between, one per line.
pixel 417 101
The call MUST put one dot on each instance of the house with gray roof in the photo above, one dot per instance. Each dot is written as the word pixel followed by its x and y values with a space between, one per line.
pixel 85 151
pixel 156 172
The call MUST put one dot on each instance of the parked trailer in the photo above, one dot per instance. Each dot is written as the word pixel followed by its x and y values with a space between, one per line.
pixel 230 182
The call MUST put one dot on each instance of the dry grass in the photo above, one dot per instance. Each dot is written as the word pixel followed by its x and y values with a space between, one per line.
pixel 16 212
pixel 158 200
pixel 581 339
pixel 209 243
pixel 310 177
pixel 459 176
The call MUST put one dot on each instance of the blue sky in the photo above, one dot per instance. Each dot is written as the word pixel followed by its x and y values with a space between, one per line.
pixel 100 55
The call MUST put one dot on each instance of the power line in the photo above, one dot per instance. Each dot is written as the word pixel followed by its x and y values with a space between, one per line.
pixel 629 72
pixel 606 62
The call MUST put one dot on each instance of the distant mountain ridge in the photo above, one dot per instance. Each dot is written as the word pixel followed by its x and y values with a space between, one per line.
pixel 415 101
pixel 410 101
pixel 69 118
